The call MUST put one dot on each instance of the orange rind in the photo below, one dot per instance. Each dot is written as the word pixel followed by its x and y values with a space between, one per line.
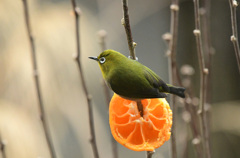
pixel 140 133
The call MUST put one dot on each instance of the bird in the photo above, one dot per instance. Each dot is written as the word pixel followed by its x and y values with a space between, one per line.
pixel 132 80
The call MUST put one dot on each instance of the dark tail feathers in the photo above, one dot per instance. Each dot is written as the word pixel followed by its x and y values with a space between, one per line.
pixel 179 91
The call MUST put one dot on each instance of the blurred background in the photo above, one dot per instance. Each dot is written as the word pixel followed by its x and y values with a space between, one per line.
pixel 54 33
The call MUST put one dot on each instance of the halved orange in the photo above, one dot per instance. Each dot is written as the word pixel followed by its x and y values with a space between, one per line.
pixel 140 133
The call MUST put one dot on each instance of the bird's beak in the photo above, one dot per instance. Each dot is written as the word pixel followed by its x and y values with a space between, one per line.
pixel 94 58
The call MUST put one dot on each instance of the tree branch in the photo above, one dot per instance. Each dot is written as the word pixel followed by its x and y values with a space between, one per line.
pixel 37 84
pixel 207 44
pixel 102 35
pixel 150 154
pixel 126 24
pixel 173 69
pixel 77 58
pixel 203 74
pixel 234 38
pixel 131 45
pixel 2 148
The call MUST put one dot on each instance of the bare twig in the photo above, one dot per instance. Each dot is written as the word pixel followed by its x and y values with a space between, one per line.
pixel 77 13
pixel 2 148
pixel 194 126
pixel 126 24
pixel 37 84
pixel 193 122
pixel 207 44
pixel 234 38
pixel 150 154
pixel 173 69
pixel 203 74
pixel 171 39
pixel 131 45
pixel 140 107
pixel 102 35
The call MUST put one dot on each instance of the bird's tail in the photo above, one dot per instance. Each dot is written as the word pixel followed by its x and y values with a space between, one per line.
pixel 179 91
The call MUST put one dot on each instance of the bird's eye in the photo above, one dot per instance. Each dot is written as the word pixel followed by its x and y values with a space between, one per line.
pixel 102 60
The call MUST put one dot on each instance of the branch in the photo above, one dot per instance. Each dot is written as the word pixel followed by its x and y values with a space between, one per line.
pixel 131 45
pixel 37 84
pixel 102 35
pixel 203 74
pixel 206 8
pixel 193 123
pixel 126 24
pixel 234 38
pixel 77 13
pixel 173 69
pixel 174 77
pixel 207 44
pixel 2 148
pixel 150 153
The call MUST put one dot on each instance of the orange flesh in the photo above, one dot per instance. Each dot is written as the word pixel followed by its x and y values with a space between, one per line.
pixel 140 133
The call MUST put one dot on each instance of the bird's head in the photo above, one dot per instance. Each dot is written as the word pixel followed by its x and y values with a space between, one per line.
pixel 108 60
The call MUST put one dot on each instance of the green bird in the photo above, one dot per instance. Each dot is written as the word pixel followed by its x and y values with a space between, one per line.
pixel 132 80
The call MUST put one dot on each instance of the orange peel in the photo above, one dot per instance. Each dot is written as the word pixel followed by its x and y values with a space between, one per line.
pixel 140 133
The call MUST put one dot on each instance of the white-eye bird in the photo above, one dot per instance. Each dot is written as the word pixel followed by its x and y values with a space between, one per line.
pixel 132 80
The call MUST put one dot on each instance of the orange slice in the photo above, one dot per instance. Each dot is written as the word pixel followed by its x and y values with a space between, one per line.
pixel 140 133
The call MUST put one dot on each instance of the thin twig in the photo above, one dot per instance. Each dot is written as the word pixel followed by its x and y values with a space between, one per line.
pixel 126 24
pixel 203 74
pixel 185 147
pixel 37 84
pixel 140 107
pixel 102 35
pixel 206 8
pixel 150 154
pixel 194 127
pixel 173 69
pixel 207 44
pixel 171 39
pixel 2 147
pixel 193 122
pixel 77 13
pixel 131 45
pixel 234 38
pixel 190 107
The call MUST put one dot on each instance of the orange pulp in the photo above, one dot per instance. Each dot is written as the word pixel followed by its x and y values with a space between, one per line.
pixel 140 133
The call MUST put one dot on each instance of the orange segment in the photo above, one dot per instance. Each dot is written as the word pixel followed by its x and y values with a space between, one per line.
pixel 140 133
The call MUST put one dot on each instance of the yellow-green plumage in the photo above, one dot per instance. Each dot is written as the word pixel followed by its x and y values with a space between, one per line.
pixel 132 80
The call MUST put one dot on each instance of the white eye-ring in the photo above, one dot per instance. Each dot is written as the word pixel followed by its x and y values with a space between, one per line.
pixel 102 60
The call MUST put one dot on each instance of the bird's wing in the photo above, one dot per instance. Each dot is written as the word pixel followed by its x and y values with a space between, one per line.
pixel 155 80
pixel 128 84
